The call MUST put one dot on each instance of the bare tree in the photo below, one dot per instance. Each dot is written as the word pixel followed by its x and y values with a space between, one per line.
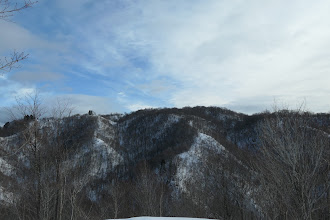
pixel 45 145
pixel 148 192
pixel 293 166
pixel 57 145
pixel 31 109
pixel 7 9
pixel 113 199
pixel 28 105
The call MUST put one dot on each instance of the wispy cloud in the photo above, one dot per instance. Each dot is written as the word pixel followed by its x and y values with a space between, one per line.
pixel 223 52
pixel 237 54
pixel 35 76
pixel 83 103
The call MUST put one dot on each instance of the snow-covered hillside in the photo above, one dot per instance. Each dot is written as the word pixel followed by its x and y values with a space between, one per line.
pixel 191 162
pixel 174 162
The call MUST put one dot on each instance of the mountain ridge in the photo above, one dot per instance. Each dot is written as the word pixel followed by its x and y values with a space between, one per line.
pixel 188 152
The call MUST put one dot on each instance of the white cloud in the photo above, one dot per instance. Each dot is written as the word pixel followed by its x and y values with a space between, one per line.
pixel 227 51
pixel 10 90
pixel 240 54
pixel 35 76
pixel 83 103
pixel 14 36
pixel 138 106
pixel 3 116
pixel 80 103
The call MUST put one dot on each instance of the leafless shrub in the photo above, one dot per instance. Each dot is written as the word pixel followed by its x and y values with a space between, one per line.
pixel 293 166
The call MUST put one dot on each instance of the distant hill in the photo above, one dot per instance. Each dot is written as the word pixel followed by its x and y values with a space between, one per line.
pixel 195 162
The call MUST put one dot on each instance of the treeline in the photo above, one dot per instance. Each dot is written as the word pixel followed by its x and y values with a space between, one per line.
pixel 274 165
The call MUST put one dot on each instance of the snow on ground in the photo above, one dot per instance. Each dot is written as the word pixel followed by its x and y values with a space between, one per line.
pixel 5 168
pixel 6 196
pixel 162 218
pixel 105 127
pixel 112 122
pixel 170 121
pixel 105 158
pixel 188 161
pixel 174 118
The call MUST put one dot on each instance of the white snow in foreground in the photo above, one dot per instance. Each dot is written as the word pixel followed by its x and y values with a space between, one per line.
pixel 162 218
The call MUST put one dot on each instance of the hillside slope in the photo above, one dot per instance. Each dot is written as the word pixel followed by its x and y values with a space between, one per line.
pixel 191 161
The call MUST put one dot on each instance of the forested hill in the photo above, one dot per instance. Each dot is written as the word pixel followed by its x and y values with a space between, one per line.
pixel 199 162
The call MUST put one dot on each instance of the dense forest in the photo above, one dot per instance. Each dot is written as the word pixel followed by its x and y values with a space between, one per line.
pixel 196 162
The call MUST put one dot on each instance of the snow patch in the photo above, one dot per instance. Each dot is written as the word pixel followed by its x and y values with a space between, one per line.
pixel 174 118
pixel 6 196
pixel 112 122
pixel 105 158
pixel 5 168
pixel 188 161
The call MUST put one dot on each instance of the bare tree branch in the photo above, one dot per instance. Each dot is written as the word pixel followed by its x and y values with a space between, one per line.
pixel 8 8
pixel 7 64
pixel 293 165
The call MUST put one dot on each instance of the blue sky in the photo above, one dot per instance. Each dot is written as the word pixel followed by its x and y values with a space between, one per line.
pixel 123 55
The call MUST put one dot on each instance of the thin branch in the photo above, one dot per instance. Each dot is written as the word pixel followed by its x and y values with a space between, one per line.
pixel 8 64
pixel 7 9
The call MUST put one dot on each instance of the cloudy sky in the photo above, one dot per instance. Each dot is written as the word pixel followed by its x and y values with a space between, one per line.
pixel 123 55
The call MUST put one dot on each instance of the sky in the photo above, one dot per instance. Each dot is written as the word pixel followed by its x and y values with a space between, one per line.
pixel 125 55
